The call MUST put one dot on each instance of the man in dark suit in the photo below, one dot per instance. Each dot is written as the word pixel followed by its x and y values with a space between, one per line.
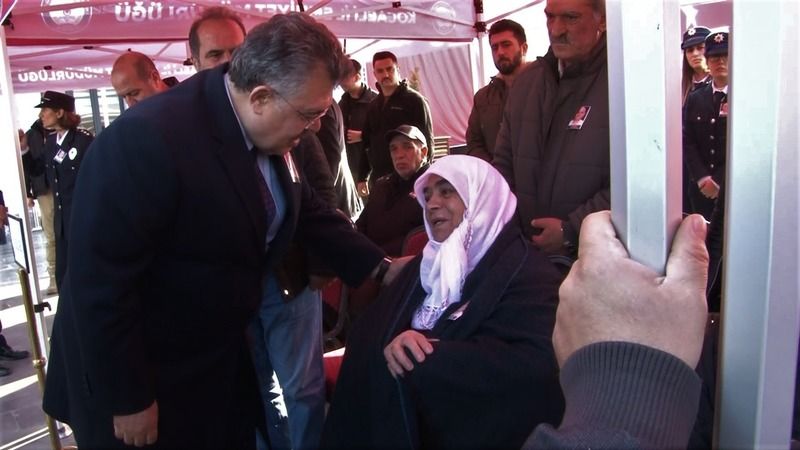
pixel 175 223
pixel 705 129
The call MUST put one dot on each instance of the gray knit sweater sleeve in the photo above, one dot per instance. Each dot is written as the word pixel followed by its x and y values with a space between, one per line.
pixel 621 395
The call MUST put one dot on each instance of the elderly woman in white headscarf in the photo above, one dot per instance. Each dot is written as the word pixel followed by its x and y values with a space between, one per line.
pixel 456 352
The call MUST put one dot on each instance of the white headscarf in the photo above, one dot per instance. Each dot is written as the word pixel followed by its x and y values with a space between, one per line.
pixel 490 205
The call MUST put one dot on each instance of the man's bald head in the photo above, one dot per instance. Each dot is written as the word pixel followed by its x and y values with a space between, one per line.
pixel 135 77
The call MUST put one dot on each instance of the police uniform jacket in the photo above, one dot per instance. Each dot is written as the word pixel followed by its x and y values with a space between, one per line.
pixel 60 164
pixel 704 136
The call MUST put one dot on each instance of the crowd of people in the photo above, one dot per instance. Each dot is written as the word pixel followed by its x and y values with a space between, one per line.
pixel 193 236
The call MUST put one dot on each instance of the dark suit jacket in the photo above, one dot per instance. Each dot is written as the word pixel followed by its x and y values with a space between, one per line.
pixel 166 259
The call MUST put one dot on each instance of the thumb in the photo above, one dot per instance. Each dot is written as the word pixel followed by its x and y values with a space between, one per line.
pixel 688 258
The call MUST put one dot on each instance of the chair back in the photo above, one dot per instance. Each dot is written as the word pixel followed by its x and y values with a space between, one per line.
pixel 415 241
pixel 441 147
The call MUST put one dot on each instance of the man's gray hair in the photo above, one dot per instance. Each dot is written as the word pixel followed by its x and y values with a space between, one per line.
pixel 282 53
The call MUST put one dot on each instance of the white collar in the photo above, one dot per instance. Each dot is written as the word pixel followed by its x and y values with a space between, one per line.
pixel 60 137
pixel 723 89
pixel 247 141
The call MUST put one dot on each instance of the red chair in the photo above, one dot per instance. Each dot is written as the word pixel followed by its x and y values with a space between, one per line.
pixel 332 363
pixel 415 241
pixel 335 295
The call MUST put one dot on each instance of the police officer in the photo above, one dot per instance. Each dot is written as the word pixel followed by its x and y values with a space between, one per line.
pixel 695 67
pixel 65 148
pixel 705 125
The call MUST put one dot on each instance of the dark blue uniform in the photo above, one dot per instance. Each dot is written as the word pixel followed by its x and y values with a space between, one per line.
pixel 704 144
pixel 60 164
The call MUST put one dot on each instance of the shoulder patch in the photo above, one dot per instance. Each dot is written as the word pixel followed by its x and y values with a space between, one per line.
pixel 85 131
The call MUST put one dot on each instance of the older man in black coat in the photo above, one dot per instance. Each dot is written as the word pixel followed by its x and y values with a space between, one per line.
pixel 175 222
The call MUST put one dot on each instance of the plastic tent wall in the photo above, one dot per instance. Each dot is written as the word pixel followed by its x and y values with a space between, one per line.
pixel 69 48
pixel 71 44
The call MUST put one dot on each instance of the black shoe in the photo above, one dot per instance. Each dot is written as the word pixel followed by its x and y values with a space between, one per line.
pixel 10 354
pixel 4 371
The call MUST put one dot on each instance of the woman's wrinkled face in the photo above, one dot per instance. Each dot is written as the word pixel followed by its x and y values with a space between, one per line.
pixel 444 209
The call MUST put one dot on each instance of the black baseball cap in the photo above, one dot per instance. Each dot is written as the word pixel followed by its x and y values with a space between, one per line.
pixel 409 131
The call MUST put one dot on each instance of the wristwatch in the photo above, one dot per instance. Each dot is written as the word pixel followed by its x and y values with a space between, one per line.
pixel 383 267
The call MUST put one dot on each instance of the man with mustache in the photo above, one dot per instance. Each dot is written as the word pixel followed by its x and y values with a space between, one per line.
pixel 559 172
pixel 396 104
pixel 509 47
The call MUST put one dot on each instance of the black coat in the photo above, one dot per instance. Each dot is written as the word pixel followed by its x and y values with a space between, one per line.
pixel 35 185
pixel 354 113
pixel 556 171
pixel 166 262
pixel 392 211
pixel 332 139
pixel 404 107
pixel 61 176
pixel 491 378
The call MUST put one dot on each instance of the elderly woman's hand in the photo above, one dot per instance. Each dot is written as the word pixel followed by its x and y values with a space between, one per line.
pixel 396 352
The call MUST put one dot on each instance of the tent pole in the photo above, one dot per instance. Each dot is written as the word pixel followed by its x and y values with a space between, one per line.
pixel 13 181
pixel 761 305
pixel 480 27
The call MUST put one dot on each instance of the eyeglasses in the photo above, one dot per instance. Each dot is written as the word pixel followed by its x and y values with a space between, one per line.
pixel 308 118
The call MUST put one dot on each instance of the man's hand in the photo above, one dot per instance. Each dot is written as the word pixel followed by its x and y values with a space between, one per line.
pixel 353 136
pixel 395 353
pixel 710 189
pixel 363 188
pixel 23 140
pixel 138 429
pixel 30 202
pixel 551 239
pixel 609 297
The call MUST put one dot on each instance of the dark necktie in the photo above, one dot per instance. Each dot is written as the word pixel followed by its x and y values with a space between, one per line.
pixel 719 97
pixel 263 189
